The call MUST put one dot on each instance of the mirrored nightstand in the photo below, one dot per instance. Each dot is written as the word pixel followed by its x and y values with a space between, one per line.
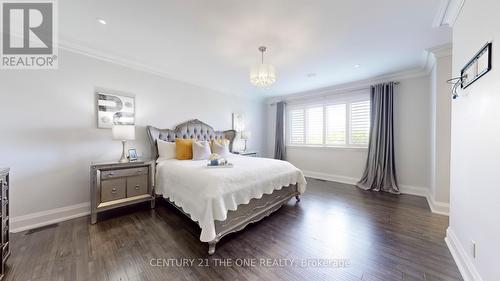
pixel 117 184
pixel 247 153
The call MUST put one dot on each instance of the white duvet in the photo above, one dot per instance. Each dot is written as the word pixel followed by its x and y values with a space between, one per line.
pixel 207 194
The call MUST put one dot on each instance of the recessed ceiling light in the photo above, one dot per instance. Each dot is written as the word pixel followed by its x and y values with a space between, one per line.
pixel 357 65
pixel 311 75
pixel 101 21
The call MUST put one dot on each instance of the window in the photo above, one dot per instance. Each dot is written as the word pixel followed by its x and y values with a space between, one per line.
pixel 297 126
pixel 344 123
pixel 336 124
pixel 360 123
pixel 314 118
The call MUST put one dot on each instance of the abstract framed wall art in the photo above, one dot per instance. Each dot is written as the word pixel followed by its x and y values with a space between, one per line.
pixel 238 121
pixel 114 109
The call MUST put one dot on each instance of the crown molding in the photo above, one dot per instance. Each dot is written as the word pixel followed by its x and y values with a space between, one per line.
pixel 448 13
pixel 434 53
pixel 80 49
pixel 441 51
pixel 352 86
pixel 107 57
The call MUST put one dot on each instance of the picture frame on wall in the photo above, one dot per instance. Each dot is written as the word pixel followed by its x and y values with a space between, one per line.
pixel 114 109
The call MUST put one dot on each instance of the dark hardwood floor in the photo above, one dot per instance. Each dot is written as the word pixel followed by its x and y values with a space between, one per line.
pixel 380 236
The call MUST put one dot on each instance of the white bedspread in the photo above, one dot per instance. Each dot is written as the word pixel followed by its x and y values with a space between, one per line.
pixel 207 194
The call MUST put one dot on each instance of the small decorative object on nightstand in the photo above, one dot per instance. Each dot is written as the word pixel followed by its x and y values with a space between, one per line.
pixel 248 153
pixel 132 154
pixel 4 184
pixel 118 184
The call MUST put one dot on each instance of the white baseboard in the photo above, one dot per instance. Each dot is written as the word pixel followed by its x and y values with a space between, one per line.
pixel 39 219
pixel 405 189
pixel 330 177
pixel 463 261
pixel 436 207
pixel 413 190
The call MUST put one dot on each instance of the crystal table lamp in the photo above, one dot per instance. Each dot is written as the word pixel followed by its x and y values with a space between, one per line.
pixel 246 135
pixel 123 133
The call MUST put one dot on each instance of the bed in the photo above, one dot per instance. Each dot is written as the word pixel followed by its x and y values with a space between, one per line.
pixel 222 200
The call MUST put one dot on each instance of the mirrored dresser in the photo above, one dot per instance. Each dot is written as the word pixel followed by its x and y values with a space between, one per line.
pixel 4 183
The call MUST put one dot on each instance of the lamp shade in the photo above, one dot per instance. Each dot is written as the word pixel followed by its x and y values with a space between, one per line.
pixel 123 132
pixel 245 135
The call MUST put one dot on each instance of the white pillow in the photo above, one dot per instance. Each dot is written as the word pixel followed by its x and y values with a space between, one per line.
pixel 221 149
pixel 166 150
pixel 201 150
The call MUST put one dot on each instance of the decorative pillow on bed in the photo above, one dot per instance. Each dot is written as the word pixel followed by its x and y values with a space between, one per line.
pixel 201 150
pixel 183 149
pixel 166 150
pixel 219 141
pixel 221 148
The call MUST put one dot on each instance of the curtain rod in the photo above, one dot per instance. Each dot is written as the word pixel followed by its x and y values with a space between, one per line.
pixel 347 90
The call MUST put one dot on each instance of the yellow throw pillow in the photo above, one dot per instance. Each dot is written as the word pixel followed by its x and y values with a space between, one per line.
pixel 184 149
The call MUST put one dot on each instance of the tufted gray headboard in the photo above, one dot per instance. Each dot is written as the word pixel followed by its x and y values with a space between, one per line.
pixel 194 129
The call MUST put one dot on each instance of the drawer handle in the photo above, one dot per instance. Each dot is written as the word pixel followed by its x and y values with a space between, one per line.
pixel 113 190
pixel 139 171
pixel 137 187
pixel 110 174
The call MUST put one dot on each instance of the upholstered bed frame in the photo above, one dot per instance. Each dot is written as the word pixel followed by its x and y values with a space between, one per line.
pixel 194 129
pixel 236 220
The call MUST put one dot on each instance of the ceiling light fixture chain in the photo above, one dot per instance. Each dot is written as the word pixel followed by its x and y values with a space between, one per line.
pixel 262 49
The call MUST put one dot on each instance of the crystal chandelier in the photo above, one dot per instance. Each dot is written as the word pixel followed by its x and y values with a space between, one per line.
pixel 262 75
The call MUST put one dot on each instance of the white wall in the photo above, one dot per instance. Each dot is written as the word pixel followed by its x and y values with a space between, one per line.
pixel 441 130
pixel 412 138
pixel 49 134
pixel 412 132
pixel 475 152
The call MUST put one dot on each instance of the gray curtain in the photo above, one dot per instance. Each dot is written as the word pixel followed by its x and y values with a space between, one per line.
pixel 279 146
pixel 380 169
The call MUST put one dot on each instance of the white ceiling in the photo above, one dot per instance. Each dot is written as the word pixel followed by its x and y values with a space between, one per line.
pixel 214 43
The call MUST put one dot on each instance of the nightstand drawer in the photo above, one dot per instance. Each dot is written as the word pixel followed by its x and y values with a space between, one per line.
pixel 113 189
pixel 110 174
pixel 137 185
